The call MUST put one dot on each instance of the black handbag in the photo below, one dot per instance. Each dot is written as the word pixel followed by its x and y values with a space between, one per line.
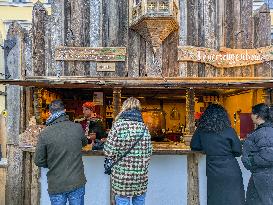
pixel 109 163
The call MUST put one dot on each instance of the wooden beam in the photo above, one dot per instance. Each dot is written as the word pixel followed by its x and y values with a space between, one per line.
pixel 90 54
pixel 148 83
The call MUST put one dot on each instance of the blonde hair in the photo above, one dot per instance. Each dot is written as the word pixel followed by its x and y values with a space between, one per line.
pixel 129 104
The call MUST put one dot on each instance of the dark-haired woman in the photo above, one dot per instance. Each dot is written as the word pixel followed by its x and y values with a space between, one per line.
pixel 258 157
pixel 219 141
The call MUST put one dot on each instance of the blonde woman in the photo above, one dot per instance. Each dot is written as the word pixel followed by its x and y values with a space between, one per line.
pixel 130 175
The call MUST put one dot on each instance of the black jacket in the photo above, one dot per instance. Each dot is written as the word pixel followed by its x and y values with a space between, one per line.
pixel 258 158
pixel 59 149
pixel 224 177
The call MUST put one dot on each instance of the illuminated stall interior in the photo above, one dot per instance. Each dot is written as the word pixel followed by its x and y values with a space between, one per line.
pixel 164 111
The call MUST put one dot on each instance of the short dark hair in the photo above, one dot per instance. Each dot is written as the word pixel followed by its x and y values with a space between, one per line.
pixel 263 111
pixel 56 105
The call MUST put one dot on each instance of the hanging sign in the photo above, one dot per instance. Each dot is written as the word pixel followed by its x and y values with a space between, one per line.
pixel 225 57
pixel 90 54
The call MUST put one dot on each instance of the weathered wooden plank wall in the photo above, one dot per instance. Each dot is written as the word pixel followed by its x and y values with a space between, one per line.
pixel 115 25
pixel 27 58
pixel 169 56
pixel 95 30
pixel 39 16
pixel 136 56
pixel 182 67
pixel 57 35
pixel 106 23
pixel 192 33
pixel 247 33
pixel 262 37
pixel 76 33
pixel 229 35
pixel 211 31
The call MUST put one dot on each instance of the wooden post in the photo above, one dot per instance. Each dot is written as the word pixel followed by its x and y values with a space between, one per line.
pixel 29 105
pixel 15 117
pixel 3 136
pixel 190 122
pixel 26 179
pixel 267 96
pixel 39 16
pixel 3 183
pixel 35 183
pixel 254 97
pixel 14 175
pixel 30 181
pixel 116 107
pixel 37 105
pixel 193 179
pixel 116 101
pixel 193 188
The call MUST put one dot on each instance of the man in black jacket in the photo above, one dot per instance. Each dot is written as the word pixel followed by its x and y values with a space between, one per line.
pixel 59 149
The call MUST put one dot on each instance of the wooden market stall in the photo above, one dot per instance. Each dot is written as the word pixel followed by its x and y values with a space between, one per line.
pixel 176 56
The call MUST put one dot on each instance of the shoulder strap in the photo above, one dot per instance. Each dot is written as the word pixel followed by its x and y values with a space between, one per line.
pixel 128 151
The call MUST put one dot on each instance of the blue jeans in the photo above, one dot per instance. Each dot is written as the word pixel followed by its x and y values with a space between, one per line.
pixel 75 197
pixel 136 200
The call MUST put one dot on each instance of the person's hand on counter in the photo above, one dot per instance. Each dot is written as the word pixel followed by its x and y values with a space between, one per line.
pixel 92 136
pixel 103 139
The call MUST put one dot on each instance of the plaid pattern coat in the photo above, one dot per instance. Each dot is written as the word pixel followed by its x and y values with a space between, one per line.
pixel 130 175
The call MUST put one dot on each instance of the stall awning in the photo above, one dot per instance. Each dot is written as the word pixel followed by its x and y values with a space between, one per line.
pixel 144 82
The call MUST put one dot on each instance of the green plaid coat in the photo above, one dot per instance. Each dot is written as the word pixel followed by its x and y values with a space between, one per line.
pixel 129 176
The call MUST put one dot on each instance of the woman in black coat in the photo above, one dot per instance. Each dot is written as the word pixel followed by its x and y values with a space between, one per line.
pixel 258 157
pixel 219 141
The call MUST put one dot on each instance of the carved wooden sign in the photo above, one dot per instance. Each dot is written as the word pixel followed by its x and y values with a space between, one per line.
pixel 102 54
pixel 225 57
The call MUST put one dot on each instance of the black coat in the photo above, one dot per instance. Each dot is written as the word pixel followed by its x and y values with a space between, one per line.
pixel 258 158
pixel 224 176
